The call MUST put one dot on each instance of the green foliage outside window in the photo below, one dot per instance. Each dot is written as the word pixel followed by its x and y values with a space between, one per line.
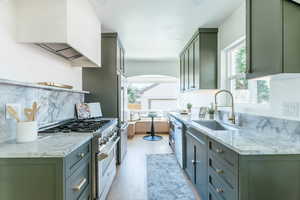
pixel 240 60
pixel 263 91
pixel 241 83
pixel 133 94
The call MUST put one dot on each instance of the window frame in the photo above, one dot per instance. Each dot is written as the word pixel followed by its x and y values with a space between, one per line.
pixel 229 77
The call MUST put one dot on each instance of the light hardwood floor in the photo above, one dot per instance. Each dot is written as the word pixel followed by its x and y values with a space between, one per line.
pixel 131 180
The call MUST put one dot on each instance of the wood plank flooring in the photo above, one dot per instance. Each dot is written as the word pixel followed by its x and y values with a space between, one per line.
pixel 131 180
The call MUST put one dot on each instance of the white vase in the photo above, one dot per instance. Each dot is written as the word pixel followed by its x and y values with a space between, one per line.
pixel 27 131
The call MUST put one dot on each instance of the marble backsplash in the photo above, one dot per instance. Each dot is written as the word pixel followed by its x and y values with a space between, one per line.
pixel 55 105
pixel 286 129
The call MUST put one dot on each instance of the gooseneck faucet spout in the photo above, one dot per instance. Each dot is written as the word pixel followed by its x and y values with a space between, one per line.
pixel 232 118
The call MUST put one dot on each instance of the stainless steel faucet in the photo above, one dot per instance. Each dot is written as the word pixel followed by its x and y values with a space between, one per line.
pixel 232 118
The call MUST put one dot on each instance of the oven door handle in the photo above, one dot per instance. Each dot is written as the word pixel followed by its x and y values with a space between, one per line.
pixel 104 154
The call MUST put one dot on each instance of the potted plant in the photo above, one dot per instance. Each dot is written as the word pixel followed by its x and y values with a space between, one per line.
pixel 211 113
pixel 189 107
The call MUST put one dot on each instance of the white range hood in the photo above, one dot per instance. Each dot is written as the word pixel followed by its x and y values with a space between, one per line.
pixel 297 1
pixel 68 28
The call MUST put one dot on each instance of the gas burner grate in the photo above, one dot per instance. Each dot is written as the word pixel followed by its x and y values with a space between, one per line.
pixel 79 126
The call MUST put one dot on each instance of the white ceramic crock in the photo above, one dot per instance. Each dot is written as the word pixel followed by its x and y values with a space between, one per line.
pixel 27 131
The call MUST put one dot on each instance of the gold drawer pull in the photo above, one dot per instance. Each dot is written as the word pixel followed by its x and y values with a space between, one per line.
pixel 218 190
pixel 81 155
pixel 80 185
pixel 219 150
pixel 219 171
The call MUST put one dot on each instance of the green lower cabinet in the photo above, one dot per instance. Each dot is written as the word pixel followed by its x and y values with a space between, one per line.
pixel 196 160
pixel 226 175
pixel 31 179
pixel 249 177
pixel 269 177
pixel 45 178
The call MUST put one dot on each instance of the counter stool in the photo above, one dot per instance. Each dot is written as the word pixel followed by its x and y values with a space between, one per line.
pixel 152 136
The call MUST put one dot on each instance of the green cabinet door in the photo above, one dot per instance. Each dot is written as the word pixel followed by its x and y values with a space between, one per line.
pixel 191 67
pixel 291 31
pixel 197 62
pixel 273 42
pixel 201 166
pixel 265 36
pixel 269 177
pixel 186 70
pixel 32 179
pixel 190 157
pixel 209 60
pixel 182 73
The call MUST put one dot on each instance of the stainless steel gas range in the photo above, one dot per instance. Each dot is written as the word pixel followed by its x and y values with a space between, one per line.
pixel 104 149
pixel 105 160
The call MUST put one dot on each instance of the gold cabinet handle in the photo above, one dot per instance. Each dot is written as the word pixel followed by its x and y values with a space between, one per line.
pixel 218 190
pixel 80 185
pixel 81 155
pixel 219 171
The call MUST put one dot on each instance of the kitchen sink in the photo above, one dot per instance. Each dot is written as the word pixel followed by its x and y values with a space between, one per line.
pixel 211 124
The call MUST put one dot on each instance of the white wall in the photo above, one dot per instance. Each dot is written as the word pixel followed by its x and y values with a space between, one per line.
pixel 197 99
pixel 161 91
pixel 29 63
pixel 152 67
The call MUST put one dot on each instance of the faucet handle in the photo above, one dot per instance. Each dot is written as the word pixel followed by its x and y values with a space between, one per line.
pixel 216 107
pixel 232 119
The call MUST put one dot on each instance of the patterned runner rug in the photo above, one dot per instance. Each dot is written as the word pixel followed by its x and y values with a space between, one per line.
pixel 165 179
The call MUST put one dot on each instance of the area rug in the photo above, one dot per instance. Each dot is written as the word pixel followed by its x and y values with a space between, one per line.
pixel 165 179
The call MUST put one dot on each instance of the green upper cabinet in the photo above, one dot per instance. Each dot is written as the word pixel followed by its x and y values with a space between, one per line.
pixel 197 62
pixel 186 69
pixel 181 74
pixel 208 60
pixel 191 67
pixel 273 42
pixel 200 60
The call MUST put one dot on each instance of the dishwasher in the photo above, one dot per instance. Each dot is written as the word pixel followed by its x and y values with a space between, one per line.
pixel 176 139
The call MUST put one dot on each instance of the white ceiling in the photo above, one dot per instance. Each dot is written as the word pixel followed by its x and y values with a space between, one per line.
pixel 159 29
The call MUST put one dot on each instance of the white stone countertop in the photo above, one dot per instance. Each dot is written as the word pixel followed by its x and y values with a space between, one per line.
pixel 247 142
pixel 51 145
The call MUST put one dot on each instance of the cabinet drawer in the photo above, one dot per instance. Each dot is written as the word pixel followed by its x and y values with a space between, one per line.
pixel 222 152
pixel 72 161
pixel 79 181
pixel 222 170
pixel 220 187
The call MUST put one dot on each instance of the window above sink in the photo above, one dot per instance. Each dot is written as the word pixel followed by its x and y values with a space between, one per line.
pixel 256 91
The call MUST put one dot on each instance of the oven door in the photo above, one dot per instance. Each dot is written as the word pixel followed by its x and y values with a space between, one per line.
pixel 106 167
